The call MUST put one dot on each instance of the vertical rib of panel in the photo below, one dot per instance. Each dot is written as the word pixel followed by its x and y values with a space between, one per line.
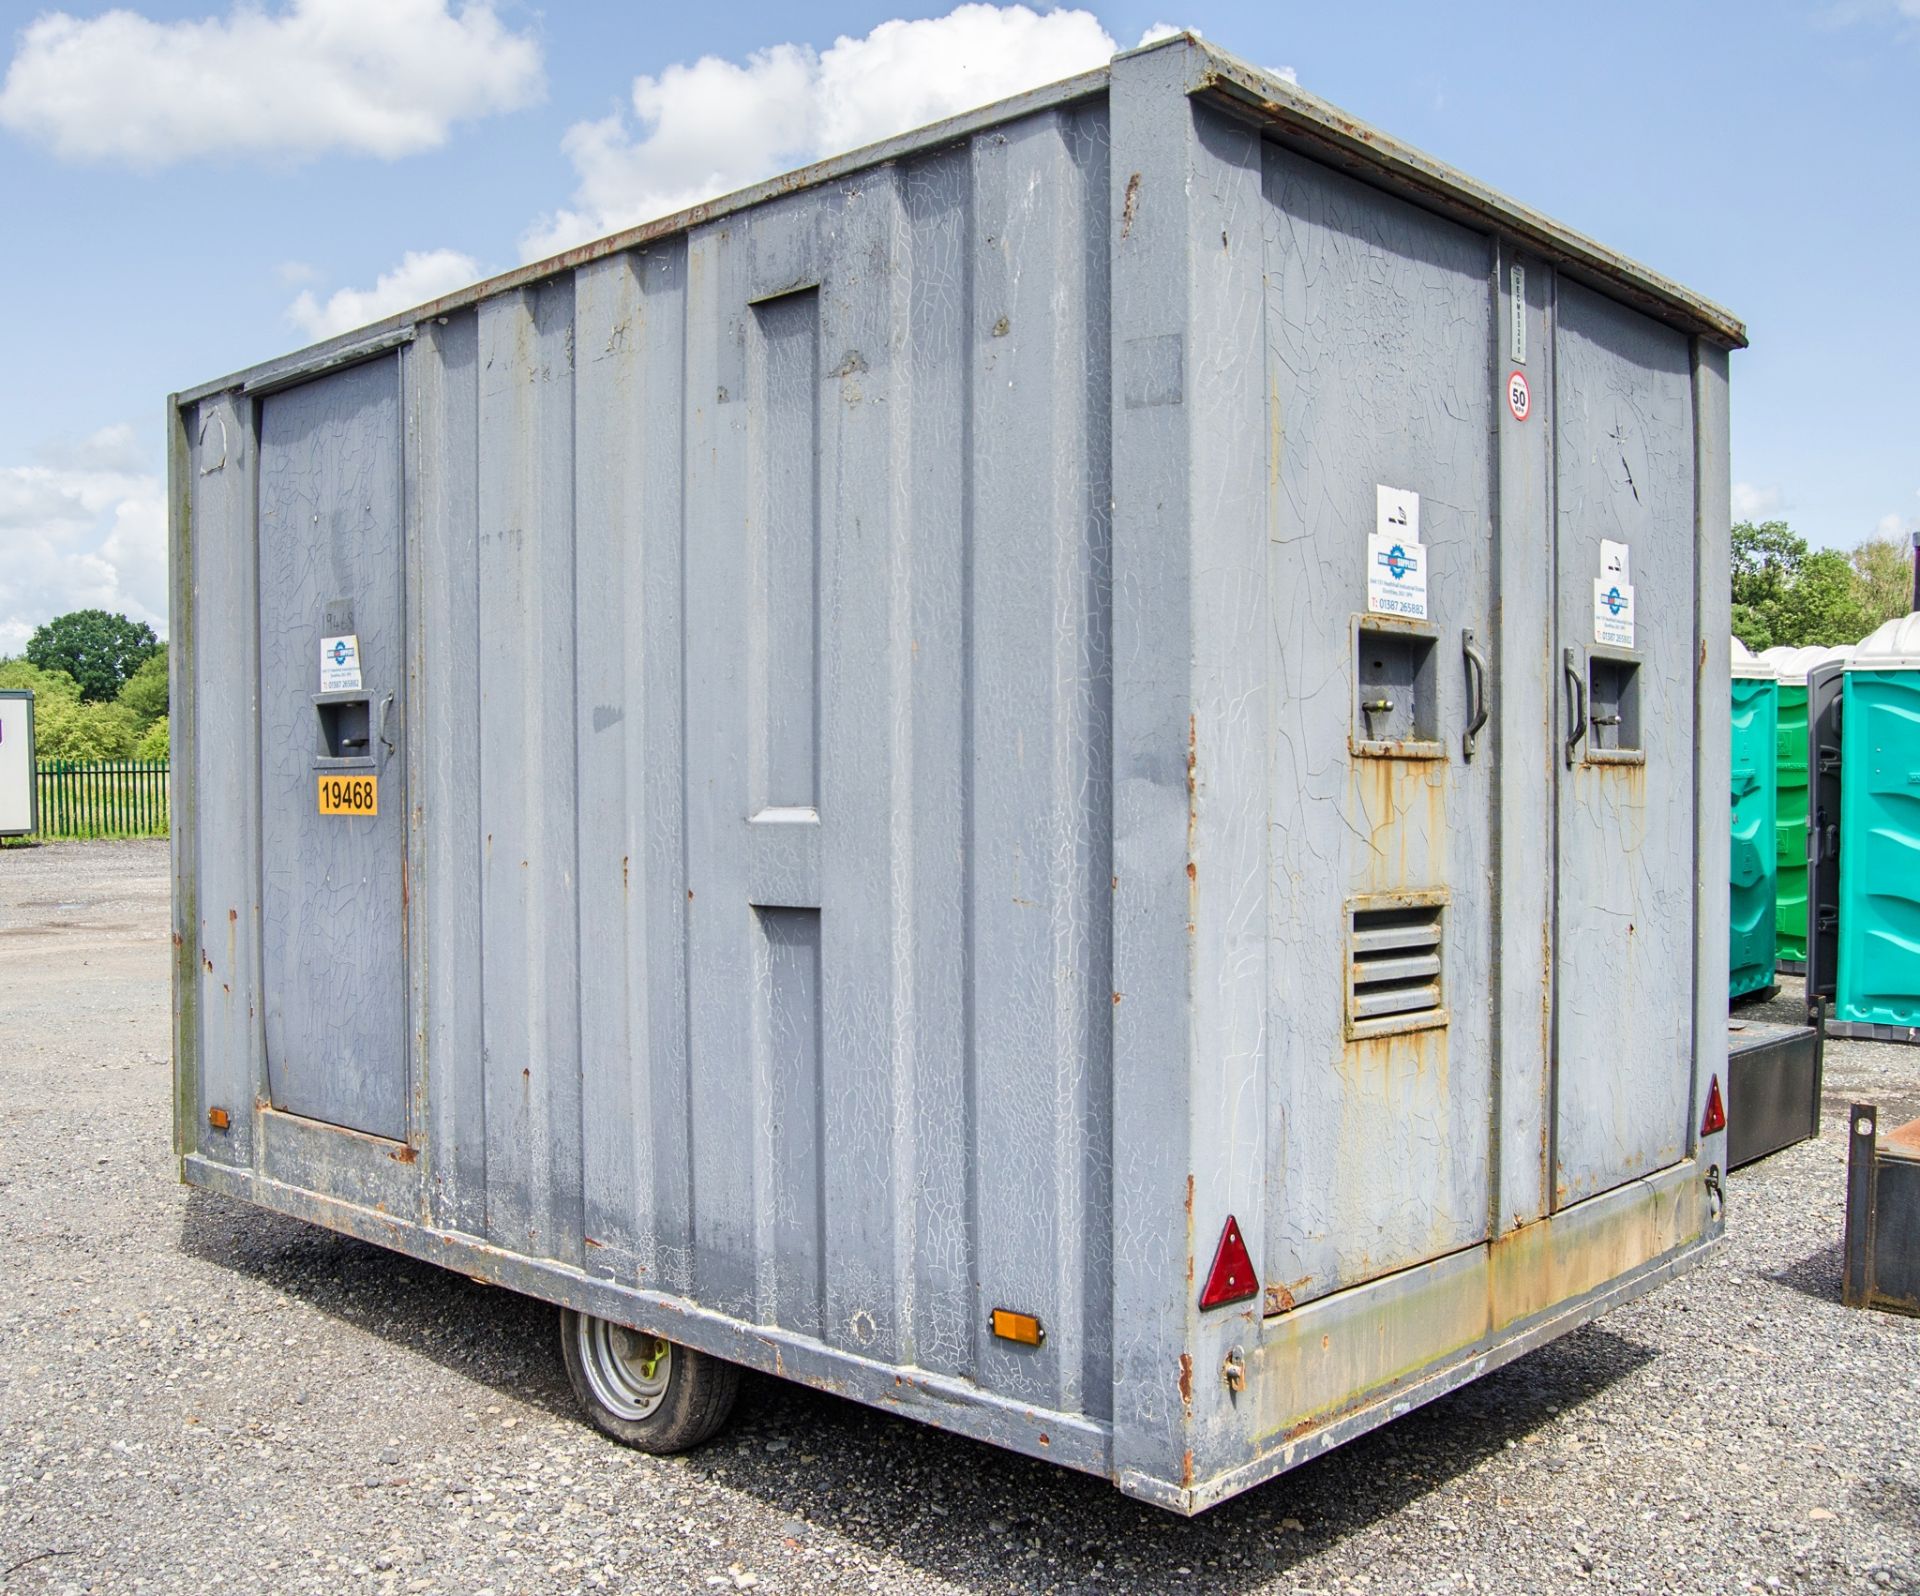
pixel 611 534
pixel 782 636
pixel 1222 400
pixel 723 1123
pixel 1712 733
pixel 443 388
pixel 1153 497
pixel 930 387
pixel 226 742
pixel 527 806
pixel 866 1077
pixel 783 606
pixel 1039 746
pixel 1091 790
pixel 789 1134
pixel 656 754
pixel 1523 756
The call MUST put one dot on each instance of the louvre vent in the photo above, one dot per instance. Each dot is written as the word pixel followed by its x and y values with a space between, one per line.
pixel 1393 969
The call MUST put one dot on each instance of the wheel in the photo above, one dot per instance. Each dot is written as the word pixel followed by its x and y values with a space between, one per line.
pixel 643 1389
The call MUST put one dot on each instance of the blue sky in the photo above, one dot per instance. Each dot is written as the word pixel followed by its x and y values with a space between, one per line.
pixel 176 177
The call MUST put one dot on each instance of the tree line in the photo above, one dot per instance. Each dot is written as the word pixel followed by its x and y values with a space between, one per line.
pixel 99 686
pixel 1787 594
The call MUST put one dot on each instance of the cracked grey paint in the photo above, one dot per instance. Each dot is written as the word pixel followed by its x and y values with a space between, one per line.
pixel 872 823
pixel 1377 320
pixel 1623 429
pixel 330 531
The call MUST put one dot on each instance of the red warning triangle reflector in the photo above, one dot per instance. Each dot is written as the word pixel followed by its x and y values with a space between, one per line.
pixel 1715 1118
pixel 1232 1278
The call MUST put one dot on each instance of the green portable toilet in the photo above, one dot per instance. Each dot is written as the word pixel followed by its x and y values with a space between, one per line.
pixel 1878 990
pixel 1790 807
pixel 1756 691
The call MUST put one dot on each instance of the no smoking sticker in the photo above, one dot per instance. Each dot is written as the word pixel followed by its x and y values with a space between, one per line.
pixel 1519 396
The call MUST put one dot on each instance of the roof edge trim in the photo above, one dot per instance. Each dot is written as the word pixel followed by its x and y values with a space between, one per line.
pixel 1365 151
pixel 349 346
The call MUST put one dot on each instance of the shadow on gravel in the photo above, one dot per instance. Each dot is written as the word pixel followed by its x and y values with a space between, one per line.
pixel 906 1474
pixel 497 1337
pixel 1893 1501
pixel 1817 1275
pixel 955 1508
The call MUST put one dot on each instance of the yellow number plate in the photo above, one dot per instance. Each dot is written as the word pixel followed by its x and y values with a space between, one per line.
pixel 349 795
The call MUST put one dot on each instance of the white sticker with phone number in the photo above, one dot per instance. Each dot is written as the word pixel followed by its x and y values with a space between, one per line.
pixel 1612 612
pixel 340 664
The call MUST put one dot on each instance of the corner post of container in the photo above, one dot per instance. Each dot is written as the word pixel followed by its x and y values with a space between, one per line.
pixel 1713 733
pixel 1189 513
pixel 180 757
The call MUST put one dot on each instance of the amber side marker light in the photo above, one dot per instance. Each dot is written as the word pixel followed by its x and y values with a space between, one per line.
pixel 217 1118
pixel 1715 1118
pixel 1022 1328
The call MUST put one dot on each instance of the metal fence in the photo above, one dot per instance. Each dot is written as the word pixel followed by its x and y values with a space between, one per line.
pixel 103 798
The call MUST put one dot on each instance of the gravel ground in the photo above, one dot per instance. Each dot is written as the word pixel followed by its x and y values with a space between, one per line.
pixel 195 1396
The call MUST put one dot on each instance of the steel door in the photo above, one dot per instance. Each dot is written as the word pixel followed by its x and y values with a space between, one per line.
pixel 332 888
pixel 1378 321
pixel 1623 1025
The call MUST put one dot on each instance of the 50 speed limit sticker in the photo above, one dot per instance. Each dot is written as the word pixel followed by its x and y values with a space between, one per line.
pixel 1519 397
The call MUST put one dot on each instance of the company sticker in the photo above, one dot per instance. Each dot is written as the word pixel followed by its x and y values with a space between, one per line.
pixel 1612 612
pixel 1396 558
pixel 340 664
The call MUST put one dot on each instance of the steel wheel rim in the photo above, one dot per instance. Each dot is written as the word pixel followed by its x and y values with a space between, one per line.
pixel 627 1370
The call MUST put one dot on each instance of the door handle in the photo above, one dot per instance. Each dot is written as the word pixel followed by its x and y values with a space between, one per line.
pixel 1476 693
pixel 1574 669
pixel 386 709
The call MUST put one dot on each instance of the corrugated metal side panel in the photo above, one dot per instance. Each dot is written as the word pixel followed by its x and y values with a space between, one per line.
pixel 443 393
pixel 764 736
pixel 529 963
pixel 224 754
pixel 629 383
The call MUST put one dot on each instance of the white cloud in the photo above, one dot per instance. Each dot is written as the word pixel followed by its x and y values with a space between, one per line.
pixel 377 77
pixel 421 275
pixel 1751 503
pixel 716 125
pixel 85 530
pixel 111 450
pixel 1896 526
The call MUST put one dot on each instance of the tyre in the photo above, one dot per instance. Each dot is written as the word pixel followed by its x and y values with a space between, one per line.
pixel 643 1389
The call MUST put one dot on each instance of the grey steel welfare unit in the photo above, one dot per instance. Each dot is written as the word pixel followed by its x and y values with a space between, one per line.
pixel 892 808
